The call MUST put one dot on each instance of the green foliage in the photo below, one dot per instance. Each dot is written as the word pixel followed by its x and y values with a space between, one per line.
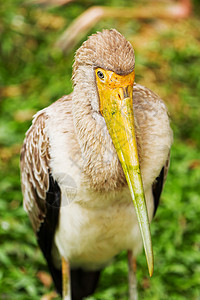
pixel 32 75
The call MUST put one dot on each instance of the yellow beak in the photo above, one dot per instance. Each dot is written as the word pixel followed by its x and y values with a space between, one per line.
pixel 116 106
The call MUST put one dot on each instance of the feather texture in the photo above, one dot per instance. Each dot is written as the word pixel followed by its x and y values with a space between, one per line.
pixel 35 170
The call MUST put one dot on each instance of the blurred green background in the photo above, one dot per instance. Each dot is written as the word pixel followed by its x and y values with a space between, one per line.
pixel 33 74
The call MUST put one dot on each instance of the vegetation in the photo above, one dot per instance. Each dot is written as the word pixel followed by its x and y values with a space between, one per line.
pixel 33 74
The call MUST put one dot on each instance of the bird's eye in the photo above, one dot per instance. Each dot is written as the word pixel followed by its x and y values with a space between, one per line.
pixel 100 75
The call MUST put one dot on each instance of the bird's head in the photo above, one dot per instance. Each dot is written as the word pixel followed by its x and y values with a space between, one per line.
pixel 106 62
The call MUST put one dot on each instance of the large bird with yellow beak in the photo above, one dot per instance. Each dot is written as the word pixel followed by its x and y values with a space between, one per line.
pixel 90 156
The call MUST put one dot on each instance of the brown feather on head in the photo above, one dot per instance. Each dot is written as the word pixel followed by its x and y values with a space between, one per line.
pixel 107 49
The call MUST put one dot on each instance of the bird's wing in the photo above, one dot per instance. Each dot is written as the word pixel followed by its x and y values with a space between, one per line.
pixel 41 192
pixel 159 183
pixel 34 165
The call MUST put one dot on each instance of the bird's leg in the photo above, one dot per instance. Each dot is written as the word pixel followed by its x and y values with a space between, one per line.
pixel 66 289
pixel 132 276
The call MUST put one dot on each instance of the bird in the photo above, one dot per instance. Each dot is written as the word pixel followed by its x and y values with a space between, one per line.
pixel 93 165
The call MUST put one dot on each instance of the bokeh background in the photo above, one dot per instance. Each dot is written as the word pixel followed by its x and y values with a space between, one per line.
pixel 34 73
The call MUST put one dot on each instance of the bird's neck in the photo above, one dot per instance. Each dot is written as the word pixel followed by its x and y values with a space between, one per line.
pixel 100 165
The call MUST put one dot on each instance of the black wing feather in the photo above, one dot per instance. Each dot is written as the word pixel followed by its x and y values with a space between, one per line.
pixel 83 283
pixel 46 232
pixel 157 189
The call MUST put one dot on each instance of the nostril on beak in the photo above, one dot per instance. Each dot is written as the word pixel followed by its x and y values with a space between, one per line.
pixel 119 96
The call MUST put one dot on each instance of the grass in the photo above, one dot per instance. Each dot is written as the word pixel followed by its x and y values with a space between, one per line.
pixel 33 74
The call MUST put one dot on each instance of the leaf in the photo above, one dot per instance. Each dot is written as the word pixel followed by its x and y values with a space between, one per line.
pixel 49 296
pixel 45 278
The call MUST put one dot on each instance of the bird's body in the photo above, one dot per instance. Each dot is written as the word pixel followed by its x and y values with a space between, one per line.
pixel 73 183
